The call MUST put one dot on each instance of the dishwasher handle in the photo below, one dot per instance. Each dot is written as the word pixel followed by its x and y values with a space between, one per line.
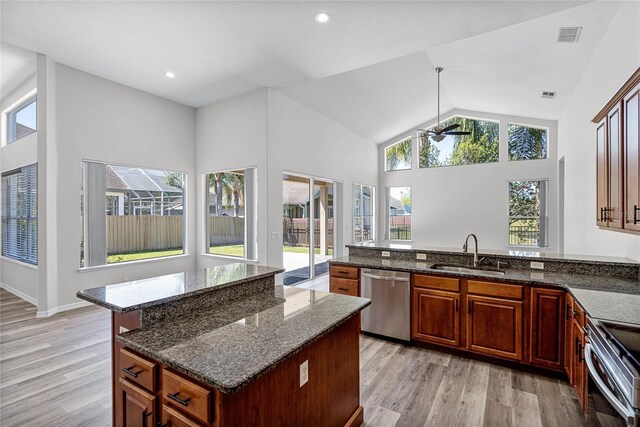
pixel 389 278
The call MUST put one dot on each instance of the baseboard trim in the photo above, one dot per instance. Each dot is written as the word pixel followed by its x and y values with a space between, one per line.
pixel 61 308
pixel 19 294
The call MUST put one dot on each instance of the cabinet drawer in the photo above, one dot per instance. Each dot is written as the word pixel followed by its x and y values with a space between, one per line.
pixel 189 397
pixel 138 369
pixel 491 289
pixel 344 286
pixel 435 282
pixel 173 418
pixel 344 272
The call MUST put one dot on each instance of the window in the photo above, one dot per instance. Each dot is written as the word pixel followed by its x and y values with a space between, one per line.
pixel 363 213
pixel 481 146
pixel 21 121
pixel 528 213
pixel 231 196
pixel 130 213
pixel 527 143
pixel 20 214
pixel 398 155
pixel 399 213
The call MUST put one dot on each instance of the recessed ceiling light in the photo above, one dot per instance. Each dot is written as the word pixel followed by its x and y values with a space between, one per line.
pixel 322 17
pixel 169 74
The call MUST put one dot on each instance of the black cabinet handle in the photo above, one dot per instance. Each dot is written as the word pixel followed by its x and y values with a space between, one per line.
pixel 343 289
pixel 175 398
pixel 568 311
pixel 456 304
pixel 601 215
pixel 144 418
pixel 636 209
pixel 129 371
pixel 469 306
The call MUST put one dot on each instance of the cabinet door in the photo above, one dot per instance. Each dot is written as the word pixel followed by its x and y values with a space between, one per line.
pixel 580 375
pixel 614 211
pixel 602 184
pixel 568 338
pixel 547 333
pixel 632 159
pixel 436 316
pixel 494 327
pixel 137 406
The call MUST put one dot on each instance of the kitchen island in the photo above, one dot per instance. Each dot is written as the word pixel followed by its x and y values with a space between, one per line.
pixel 225 346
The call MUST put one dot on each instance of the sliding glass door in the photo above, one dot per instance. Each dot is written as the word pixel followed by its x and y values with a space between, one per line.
pixel 308 222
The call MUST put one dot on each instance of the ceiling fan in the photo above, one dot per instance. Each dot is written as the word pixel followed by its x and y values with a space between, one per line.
pixel 440 132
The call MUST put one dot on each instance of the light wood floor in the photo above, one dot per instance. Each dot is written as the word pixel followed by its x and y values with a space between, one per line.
pixel 56 372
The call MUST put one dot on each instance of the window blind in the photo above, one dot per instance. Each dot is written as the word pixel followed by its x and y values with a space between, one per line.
pixel 20 214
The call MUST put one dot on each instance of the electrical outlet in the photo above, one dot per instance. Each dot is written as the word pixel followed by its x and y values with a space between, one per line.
pixel 537 276
pixel 421 256
pixel 537 265
pixel 275 235
pixel 386 262
pixel 125 279
pixel 386 254
pixel 304 373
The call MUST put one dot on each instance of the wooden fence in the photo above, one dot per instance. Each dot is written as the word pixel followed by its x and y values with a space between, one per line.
pixel 133 233
pixel 225 230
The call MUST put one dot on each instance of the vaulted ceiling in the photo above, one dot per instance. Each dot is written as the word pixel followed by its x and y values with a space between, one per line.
pixel 369 68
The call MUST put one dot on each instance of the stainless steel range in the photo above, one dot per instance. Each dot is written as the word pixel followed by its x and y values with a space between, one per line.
pixel 613 358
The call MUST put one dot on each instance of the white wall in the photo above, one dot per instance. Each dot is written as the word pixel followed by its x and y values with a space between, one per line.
pixel 271 131
pixel 17 277
pixel 450 202
pixel 304 141
pixel 232 134
pixel 617 57
pixel 97 119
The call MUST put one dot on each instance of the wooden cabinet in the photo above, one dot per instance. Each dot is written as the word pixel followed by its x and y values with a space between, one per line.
pixel 494 327
pixel 568 338
pixel 344 280
pixel 579 367
pixel 547 327
pixel 618 159
pixel 137 406
pixel 137 369
pixel 631 131
pixel 191 398
pixel 436 316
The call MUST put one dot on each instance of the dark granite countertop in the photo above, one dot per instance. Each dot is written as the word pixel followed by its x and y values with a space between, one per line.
pixel 518 253
pixel 154 291
pixel 230 346
pixel 603 297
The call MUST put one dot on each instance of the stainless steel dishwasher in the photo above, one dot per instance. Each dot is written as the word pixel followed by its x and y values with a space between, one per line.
pixel 390 311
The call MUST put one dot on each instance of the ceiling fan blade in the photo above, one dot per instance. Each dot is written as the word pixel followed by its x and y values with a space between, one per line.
pixel 458 133
pixel 452 127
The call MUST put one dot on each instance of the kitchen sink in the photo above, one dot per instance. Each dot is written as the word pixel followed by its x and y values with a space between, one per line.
pixel 470 270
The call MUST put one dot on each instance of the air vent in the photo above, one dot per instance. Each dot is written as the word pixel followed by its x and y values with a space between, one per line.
pixel 548 94
pixel 569 34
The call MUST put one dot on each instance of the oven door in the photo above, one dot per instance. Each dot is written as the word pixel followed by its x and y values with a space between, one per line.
pixel 606 382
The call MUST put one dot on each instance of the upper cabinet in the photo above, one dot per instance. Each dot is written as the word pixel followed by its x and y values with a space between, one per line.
pixel 618 159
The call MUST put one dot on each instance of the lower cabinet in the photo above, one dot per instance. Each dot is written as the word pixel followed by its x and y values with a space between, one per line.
pixel 436 316
pixel 547 328
pixel 138 406
pixel 580 373
pixel 494 327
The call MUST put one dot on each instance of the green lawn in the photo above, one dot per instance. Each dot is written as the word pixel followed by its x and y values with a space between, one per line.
pixel 238 250
pixel 135 256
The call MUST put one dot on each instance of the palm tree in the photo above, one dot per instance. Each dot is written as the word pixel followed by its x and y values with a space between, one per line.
pixel 235 188
pixel 399 155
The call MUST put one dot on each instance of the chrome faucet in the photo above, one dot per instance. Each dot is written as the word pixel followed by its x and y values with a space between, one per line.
pixel 476 261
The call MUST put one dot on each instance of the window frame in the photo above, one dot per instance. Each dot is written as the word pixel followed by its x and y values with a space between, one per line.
pixel 247 240
pixel 185 224
pixel 388 213
pixel 361 216
pixel 409 138
pixel 28 217
pixel 11 113
pixel 545 128
pixel 419 135
pixel 544 220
